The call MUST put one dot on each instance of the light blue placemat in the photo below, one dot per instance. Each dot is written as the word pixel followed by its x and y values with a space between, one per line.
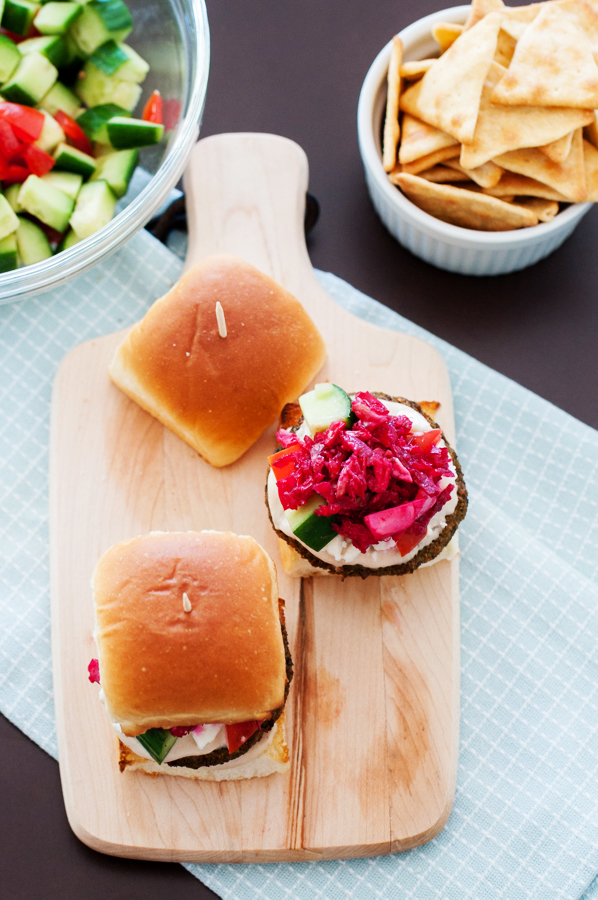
pixel 525 819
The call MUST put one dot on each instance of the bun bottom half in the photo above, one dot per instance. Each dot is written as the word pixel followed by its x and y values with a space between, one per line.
pixel 268 757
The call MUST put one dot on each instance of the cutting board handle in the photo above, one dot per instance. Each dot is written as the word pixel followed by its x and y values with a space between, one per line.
pixel 246 195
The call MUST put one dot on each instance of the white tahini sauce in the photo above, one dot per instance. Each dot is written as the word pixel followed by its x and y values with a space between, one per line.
pixel 341 551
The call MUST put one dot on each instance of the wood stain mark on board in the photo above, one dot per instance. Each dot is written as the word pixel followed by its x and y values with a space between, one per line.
pixel 331 697
pixel 296 810
pixel 407 716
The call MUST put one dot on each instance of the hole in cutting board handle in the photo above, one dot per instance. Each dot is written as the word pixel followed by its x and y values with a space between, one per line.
pixel 175 217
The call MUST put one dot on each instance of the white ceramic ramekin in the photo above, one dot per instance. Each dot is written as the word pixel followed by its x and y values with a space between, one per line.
pixel 446 246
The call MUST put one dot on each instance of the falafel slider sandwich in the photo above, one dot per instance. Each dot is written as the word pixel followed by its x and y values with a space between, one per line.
pixel 193 659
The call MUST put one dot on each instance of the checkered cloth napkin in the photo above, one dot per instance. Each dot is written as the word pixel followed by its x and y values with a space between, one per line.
pixel 525 819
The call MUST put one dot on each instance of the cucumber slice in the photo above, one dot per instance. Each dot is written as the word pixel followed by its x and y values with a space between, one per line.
pixel 10 57
pixel 68 182
pixel 326 404
pixel 52 134
pixel 8 219
pixel 108 57
pixel 56 18
pixel 44 201
pixel 33 77
pixel 120 60
pixel 32 243
pixel 158 742
pixel 69 240
pixel 93 121
pixel 94 209
pixel 18 15
pixel 11 193
pixel 69 159
pixel 59 97
pixel 117 170
pixel 8 253
pixel 125 133
pixel 95 88
pixel 52 46
pixel 101 21
pixel 313 531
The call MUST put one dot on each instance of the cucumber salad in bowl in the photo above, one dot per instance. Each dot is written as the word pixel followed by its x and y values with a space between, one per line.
pixel 69 143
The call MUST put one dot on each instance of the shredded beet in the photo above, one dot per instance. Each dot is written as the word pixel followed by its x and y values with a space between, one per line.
pixel 375 465
pixel 94 671
pixel 181 730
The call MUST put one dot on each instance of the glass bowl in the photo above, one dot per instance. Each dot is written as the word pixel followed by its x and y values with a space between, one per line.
pixel 173 36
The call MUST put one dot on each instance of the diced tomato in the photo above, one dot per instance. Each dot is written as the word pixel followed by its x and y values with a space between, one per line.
pixel 3 167
pixel 10 146
pixel 38 161
pixel 152 111
pixel 236 735
pixel 172 113
pixel 16 175
pixel 26 123
pixel 74 133
pixel 407 542
pixel 425 440
pixel 280 462
pixel 15 38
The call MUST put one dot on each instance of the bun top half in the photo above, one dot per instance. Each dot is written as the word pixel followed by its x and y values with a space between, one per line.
pixel 164 661
pixel 220 393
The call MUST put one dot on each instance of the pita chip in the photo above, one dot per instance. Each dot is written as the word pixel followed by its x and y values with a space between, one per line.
pixel 445 34
pixel 590 132
pixel 585 16
pixel 558 150
pixel 442 174
pixel 568 178
pixel 590 157
pixel 392 130
pixel 467 209
pixel 500 129
pixel 545 210
pixel 505 48
pixel 487 175
pixel 449 93
pixel 411 71
pixel 420 139
pixel 517 18
pixel 512 185
pixel 481 8
pixel 432 159
pixel 552 65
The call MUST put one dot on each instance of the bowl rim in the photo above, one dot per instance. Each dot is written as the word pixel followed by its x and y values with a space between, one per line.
pixel 59 268
pixel 373 84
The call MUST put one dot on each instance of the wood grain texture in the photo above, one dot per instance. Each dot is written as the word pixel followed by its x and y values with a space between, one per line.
pixel 372 718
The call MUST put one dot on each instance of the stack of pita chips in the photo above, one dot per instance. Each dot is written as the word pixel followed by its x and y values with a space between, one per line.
pixel 502 127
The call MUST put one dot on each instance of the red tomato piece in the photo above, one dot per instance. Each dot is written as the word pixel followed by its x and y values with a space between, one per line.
pixel 280 462
pixel 38 161
pixel 16 175
pixel 172 113
pixel 407 542
pixel 15 38
pixel 236 735
pixel 10 145
pixel 152 111
pixel 74 133
pixel 26 122
pixel 426 440
pixel 3 168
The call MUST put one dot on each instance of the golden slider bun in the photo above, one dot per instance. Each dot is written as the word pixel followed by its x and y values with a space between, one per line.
pixel 219 393
pixel 161 665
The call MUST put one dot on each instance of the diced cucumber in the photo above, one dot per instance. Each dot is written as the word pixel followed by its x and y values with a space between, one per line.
pixel 326 404
pixel 59 97
pixel 313 531
pixel 95 88
pixel 100 149
pixel 55 18
pixel 94 209
pixel 52 46
pixel 69 240
pixel 93 121
pixel 68 182
pixel 120 60
pixel 8 219
pixel 101 21
pixel 52 134
pixel 11 193
pixel 33 78
pixel 158 742
pixel 18 15
pixel 32 243
pixel 124 133
pixel 46 202
pixel 10 57
pixel 69 71
pixel 69 159
pixel 8 253
pixel 117 170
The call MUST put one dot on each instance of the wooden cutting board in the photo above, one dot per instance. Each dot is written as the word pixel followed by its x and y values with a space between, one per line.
pixel 373 713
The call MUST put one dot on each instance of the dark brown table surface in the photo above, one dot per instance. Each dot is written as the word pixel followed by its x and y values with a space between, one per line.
pixel 295 69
